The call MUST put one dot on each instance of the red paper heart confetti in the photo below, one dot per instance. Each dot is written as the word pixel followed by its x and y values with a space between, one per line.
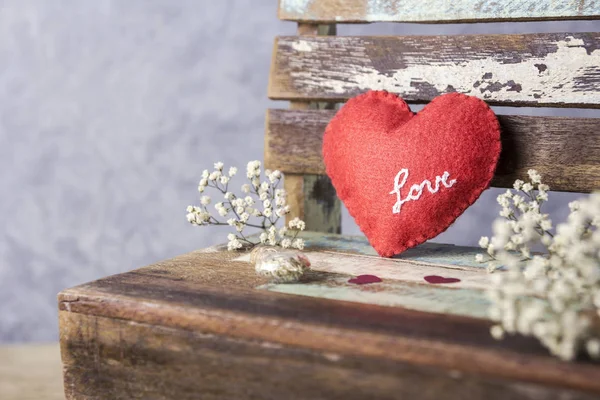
pixel 406 177
pixel 364 279
pixel 440 279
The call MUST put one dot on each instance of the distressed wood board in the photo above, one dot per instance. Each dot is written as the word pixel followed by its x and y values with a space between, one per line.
pixel 442 11
pixel 550 69
pixel 312 198
pixel 109 358
pixel 159 331
pixel 566 151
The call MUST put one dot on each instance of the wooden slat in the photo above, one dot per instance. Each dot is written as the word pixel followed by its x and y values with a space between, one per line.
pixel 159 331
pixel 560 69
pixel 566 151
pixel 312 198
pixel 442 11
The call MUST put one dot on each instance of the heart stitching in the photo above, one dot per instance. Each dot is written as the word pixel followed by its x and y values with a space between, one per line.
pixel 406 177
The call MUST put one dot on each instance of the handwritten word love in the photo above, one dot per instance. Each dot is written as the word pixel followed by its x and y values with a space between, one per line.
pixel 416 190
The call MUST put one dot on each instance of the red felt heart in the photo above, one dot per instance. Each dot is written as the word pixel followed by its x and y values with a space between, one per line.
pixel 406 177
pixel 440 279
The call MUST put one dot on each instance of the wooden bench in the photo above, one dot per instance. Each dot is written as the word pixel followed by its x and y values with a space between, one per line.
pixel 203 325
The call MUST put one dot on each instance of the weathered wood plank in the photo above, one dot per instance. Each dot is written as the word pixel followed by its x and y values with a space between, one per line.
pixel 566 151
pixel 312 198
pixel 559 69
pixel 443 11
pixel 210 294
pixel 118 359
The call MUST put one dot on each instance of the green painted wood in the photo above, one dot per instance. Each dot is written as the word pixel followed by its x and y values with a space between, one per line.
pixel 433 299
pixel 320 11
pixel 427 253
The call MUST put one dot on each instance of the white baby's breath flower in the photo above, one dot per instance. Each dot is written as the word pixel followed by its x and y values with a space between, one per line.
pixel 267 203
pixel 264 196
pixel 219 165
pixel 285 243
pixel 249 201
pixel 224 180
pixel 214 175
pixel 264 237
pixel 205 174
pixel 518 184
pixel 484 242
pixel 534 176
pixel 298 243
pixel 229 196
pixel 549 295
pixel 239 210
pixel 267 212
pixel 246 188
pixel 205 200
pixel 232 171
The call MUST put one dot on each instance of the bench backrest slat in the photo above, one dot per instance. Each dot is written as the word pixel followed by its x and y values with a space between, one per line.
pixel 559 70
pixel 566 151
pixel 344 11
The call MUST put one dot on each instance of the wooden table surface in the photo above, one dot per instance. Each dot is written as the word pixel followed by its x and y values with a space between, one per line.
pixel 31 372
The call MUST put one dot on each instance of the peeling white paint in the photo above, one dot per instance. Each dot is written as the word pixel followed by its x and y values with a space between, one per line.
pixel 475 77
pixel 430 10
pixel 441 10
pixel 301 45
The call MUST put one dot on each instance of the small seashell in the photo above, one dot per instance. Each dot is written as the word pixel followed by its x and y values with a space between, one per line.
pixel 281 266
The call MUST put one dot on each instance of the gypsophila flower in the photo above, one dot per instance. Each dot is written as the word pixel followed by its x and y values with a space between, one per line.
pixel 240 210
pixel 484 242
pixel 555 295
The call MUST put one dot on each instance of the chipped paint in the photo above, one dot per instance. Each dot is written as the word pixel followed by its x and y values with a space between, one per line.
pixel 301 45
pixel 439 10
pixel 464 302
pixel 435 10
pixel 490 78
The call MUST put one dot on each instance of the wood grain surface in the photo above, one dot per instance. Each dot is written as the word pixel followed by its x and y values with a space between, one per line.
pixel 312 197
pixel 443 11
pixel 557 69
pixel 31 372
pixel 566 151
pixel 211 295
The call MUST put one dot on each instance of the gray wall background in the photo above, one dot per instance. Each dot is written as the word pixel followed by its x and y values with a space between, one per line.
pixel 109 111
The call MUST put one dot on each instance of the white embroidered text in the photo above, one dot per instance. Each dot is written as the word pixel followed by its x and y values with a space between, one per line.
pixel 415 191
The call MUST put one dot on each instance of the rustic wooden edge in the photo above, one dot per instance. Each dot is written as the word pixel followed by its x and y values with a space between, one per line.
pixel 211 293
pixel 512 70
pixel 116 358
pixel 433 11
pixel 312 197
pixel 566 151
